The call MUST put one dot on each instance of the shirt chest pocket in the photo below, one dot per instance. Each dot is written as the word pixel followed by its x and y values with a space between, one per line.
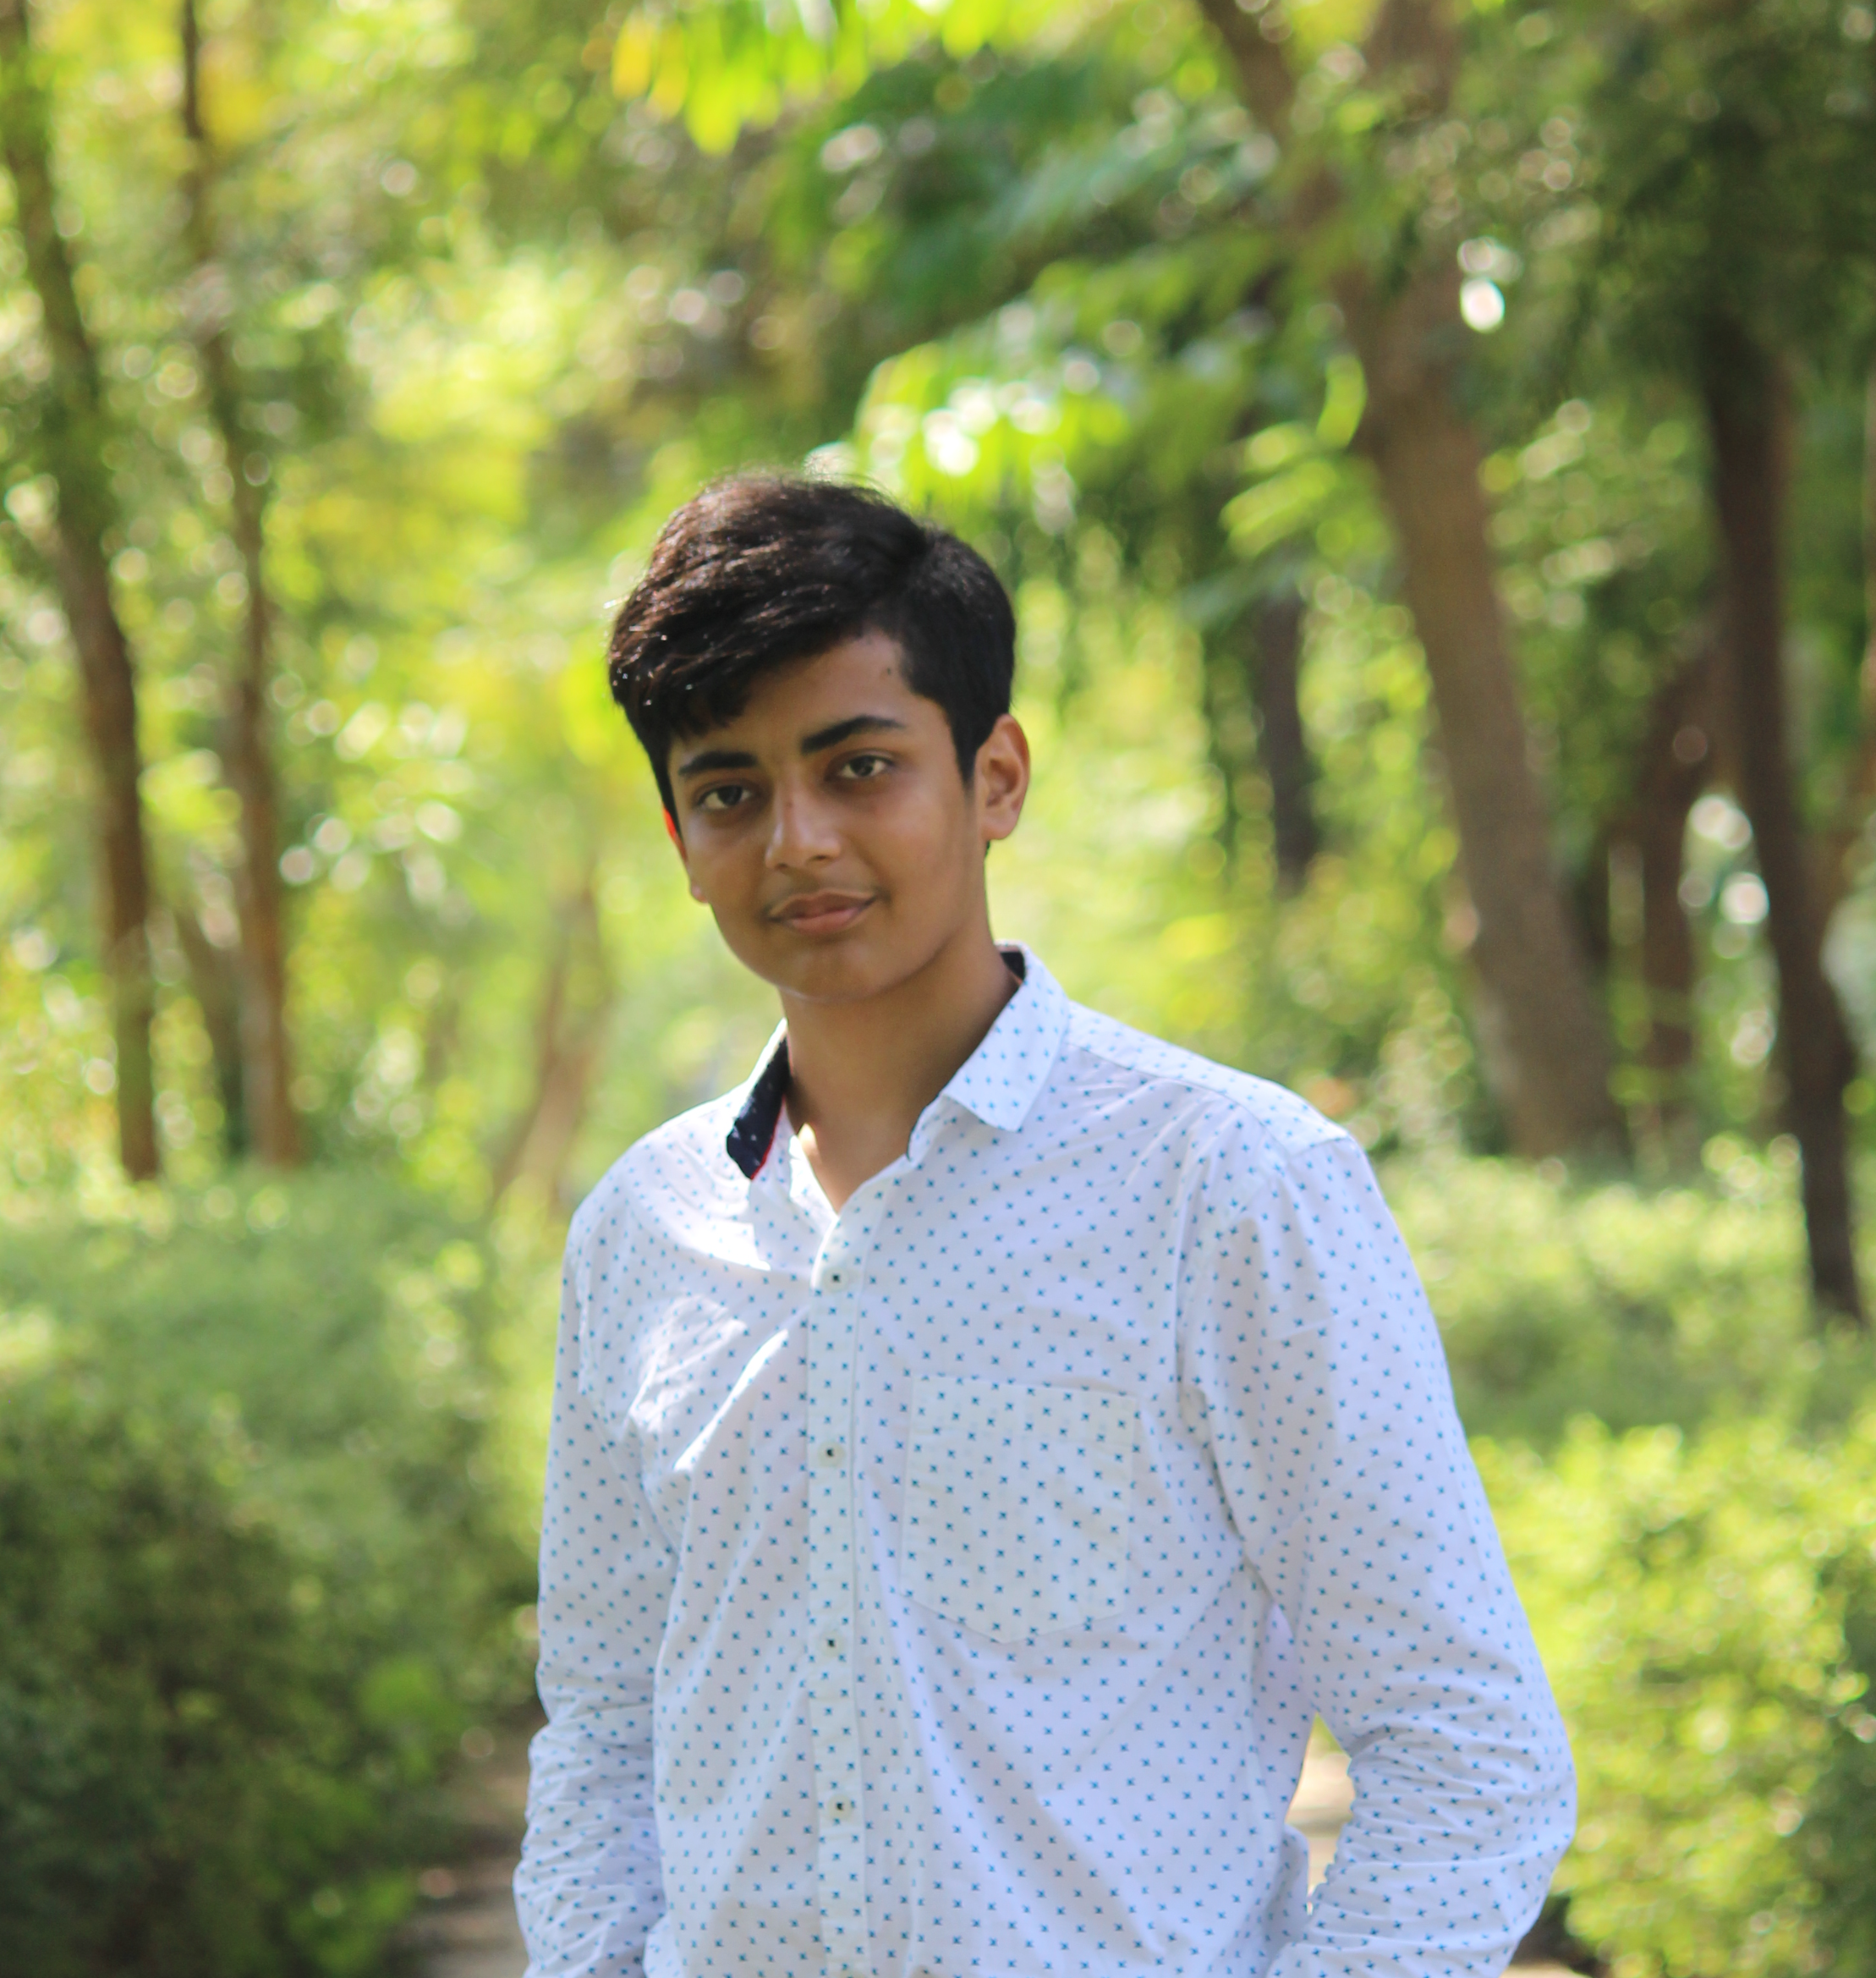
pixel 1018 1504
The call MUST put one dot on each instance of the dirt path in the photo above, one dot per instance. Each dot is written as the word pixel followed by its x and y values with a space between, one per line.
pixel 468 1928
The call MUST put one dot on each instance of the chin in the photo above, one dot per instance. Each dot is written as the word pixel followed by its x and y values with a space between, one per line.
pixel 842 969
pixel 838 976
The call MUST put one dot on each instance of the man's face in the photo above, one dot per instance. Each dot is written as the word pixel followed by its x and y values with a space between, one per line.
pixel 828 829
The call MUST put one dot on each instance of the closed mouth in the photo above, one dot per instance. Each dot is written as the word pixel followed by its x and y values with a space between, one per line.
pixel 821 913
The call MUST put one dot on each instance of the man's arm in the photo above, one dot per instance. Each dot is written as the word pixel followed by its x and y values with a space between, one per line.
pixel 1350 1482
pixel 588 1888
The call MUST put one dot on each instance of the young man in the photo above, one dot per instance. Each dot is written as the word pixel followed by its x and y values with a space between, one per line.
pixel 984 1441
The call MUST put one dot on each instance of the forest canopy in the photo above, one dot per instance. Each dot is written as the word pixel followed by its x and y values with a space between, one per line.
pixel 1428 448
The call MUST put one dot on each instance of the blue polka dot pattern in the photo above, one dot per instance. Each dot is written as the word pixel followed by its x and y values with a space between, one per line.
pixel 947 1586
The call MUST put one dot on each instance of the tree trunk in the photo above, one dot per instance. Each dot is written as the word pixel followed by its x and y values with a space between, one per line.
pixel 260 895
pixel 1748 422
pixel 218 997
pixel 1553 1059
pixel 577 1003
pixel 1668 971
pixel 1428 460
pixel 1592 902
pixel 1838 845
pixel 1676 760
pixel 1270 633
pixel 1862 797
pixel 73 438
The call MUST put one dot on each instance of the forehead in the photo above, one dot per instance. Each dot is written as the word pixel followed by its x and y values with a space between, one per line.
pixel 863 675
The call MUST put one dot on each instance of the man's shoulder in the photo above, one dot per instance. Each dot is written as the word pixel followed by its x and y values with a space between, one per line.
pixel 1217 1100
pixel 680 1165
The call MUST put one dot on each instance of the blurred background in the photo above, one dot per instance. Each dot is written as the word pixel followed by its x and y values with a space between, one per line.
pixel 1430 446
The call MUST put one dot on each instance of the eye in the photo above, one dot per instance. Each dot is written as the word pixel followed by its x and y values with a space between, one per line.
pixel 723 796
pixel 866 768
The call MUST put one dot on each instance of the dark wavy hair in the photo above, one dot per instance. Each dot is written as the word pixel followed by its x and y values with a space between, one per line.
pixel 762 569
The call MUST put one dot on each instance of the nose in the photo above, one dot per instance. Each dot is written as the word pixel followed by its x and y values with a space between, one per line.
pixel 802 833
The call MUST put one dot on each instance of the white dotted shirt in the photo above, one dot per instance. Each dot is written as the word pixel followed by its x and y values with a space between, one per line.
pixel 947 1586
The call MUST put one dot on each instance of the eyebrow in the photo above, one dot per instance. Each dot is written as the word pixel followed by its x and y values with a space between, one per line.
pixel 841 731
pixel 716 759
pixel 827 737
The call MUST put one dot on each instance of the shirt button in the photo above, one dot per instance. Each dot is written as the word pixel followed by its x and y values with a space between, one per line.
pixel 840 1808
pixel 827 1454
pixel 831 1643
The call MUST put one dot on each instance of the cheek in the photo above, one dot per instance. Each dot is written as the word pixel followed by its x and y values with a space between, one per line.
pixel 716 870
pixel 924 836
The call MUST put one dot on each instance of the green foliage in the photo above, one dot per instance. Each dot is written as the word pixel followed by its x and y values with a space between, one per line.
pixel 1843 1865
pixel 1634 1304
pixel 1602 511
pixel 188 1784
pixel 1703 1607
pixel 733 64
pixel 498 314
pixel 342 1332
pixel 1684 1477
pixel 263 1548
pixel 1736 164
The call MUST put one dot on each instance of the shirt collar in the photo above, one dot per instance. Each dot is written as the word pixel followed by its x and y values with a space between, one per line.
pixel 752 1132
pixel 998 1082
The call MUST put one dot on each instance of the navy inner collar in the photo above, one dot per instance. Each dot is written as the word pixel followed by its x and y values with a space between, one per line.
pixel 749 1141
pixel 753 1133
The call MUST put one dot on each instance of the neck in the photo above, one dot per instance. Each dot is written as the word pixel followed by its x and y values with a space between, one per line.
pixel 860 1073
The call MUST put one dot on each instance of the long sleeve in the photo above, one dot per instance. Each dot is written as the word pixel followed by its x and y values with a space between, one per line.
pixel 588 1888
pixel 1332 1424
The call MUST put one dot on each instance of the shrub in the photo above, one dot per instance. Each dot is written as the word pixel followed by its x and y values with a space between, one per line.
pixel 186 1787
pixel 1704 1608
pixel 262 1472
pixel 1634 1304
pixel 340 1339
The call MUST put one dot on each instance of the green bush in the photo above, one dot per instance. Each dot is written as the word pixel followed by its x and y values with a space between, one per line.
pixel 1705 1606
pixel 1557 1299
pixel 265 1530
pixel 186 1787
pixel 264 1555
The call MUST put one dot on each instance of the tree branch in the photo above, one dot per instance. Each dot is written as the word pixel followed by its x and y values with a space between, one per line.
pixel 1837 843
pixel 266 1040
pixel 76 430
pixel 1253 38
pixel 569 1034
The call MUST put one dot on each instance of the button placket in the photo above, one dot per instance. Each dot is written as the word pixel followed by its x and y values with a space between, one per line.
pixel 841 1853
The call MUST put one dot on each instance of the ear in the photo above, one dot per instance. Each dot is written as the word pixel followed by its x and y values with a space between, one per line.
pixel 1002 779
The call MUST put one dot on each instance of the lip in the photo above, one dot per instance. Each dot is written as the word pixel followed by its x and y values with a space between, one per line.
pixel 821 913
